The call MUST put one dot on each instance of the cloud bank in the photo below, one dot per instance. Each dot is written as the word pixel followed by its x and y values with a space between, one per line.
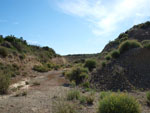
pixel 105 16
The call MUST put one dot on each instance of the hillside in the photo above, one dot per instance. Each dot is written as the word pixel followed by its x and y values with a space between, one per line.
pixel 129 66
pixel 19 60
pixel 138 32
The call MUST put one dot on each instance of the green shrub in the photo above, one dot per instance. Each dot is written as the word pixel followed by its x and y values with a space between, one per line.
pixel 146 44
pixel 78 75
pixel 90 99
pixel 148 97
pixel 40 68
pixel 103 64
pixel 104 94
pixel 73 84
pixel 86 84
pixel 83 100
pixel 3 52
pixel 129 44
pixel 115 54
pixel 119 103
pixel 108 57
pixel 90 64
pixel 4 83
pixel 64 107
pixel 73 95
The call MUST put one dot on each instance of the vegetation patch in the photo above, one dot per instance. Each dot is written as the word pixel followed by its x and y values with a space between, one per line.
pixel 73 95
pixel 40 68
pixel 78 74
pixel 119 103
pixel 3 52
pixel 90 64
pixel 108 57
pixel 64 107
pixel 148 98
pixel 115 54
pixel 4 83
pixel 129 44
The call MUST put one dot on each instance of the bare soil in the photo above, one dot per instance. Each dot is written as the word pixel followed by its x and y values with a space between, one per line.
pixel 40 97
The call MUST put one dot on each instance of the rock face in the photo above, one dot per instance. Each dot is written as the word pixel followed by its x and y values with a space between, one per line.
pixel 131 70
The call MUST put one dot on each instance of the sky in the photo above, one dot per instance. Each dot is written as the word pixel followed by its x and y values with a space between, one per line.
pixel 71 26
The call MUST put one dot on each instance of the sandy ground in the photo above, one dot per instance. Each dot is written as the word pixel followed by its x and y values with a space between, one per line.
pixel 39 97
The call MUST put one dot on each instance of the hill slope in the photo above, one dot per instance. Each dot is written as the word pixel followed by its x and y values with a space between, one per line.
pixel 131 69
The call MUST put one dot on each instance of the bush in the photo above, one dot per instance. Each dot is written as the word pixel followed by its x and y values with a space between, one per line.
pixel 3 52
pixel 90 64
pixel 40 68
pixel 78 75
pixel 129 44
pixel 108 57
pixel 103 64
pixel 4 83
pixel 119 103
pixel 64 107
pixel 86 84
pixel 115 54
pixel 148 97
pixel 105 94
pixel 83 100
pixel 146 44
pixel 73 95
pixel 90 99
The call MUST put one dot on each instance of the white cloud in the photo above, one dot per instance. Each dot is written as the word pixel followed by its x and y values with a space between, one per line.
pixel 106 16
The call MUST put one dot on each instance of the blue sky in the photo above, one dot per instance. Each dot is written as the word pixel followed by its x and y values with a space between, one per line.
pixel 71 26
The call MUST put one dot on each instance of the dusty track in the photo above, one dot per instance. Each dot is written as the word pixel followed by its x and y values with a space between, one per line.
pixel 39 98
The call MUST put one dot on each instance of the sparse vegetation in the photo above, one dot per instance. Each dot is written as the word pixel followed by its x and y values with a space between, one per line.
pixel 64 107
pixel 148 97
pixel 73 95
pixel 4 83
pixel 119 103
pixel 40 68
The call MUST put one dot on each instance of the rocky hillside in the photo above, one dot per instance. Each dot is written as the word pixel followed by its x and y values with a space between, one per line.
pixel 129 69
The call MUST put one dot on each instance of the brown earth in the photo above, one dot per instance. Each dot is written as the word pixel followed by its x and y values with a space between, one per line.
pixel 129 71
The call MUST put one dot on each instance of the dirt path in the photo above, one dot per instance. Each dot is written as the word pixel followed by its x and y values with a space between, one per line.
pixel 39 98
